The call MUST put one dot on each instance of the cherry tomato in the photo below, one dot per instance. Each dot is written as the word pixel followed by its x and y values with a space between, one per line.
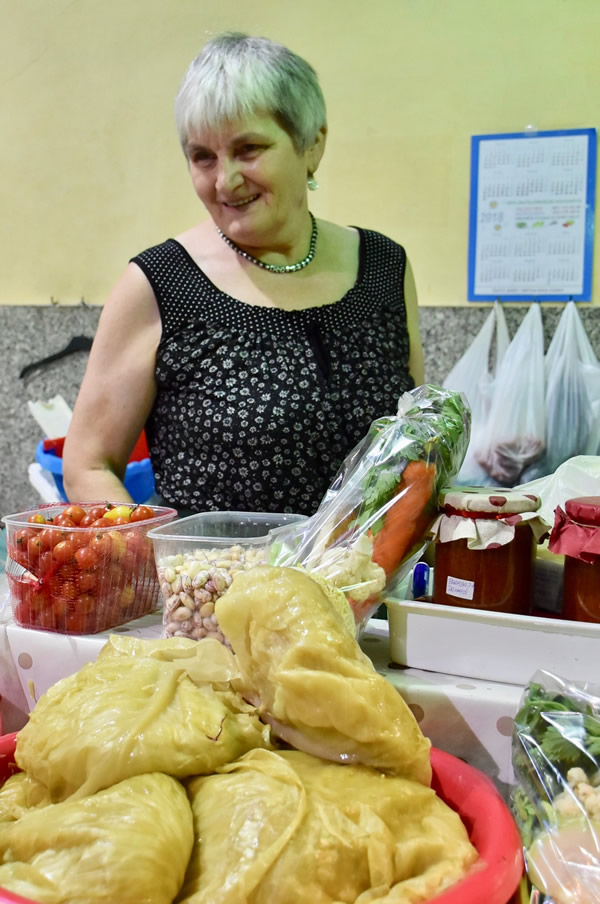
pixel 76 623
pixel 97 511
pixel 63 521
pixel 87 520
pixel 118 545
pixel 74 512
pixel 79 537
pixel 38 518
pixel 84 604
pixel 101 522
pixel 86 557
pixel 23 536
pixel 87 580
pixel 142 513
pixel 101 544
pixel 63 551
pixel 49 537
pixel 126 597
pixel 34 549
pixel 46 562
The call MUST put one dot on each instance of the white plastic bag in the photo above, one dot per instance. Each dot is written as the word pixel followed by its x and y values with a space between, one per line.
pixel 579 476
pixel 473 376
pixel 516 427
pixel 567 366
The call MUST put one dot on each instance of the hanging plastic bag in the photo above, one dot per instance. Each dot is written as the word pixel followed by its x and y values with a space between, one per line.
pixel 516 426
pixel 372 524
pixel 556 798
pixel 473 376
pixel 567 400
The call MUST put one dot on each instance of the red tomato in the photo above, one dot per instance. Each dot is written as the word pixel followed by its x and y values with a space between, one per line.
pixel 74 512
pixel 38 518
pixel 87 520
pixel 97 511
pixel 84 604
pixel 86 557
pixel 87 580
pixel 34 549
pixel 120 520
pixel 142 513
pixel 46 562
pixel 64 521
pixel 101 544
pixel 23 536
pixel 79 537
pixel 101 522
pixel 49 537
pixel 63 551
pixel 76 623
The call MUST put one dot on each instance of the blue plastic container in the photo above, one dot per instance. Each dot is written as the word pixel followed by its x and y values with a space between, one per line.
pixel 139 476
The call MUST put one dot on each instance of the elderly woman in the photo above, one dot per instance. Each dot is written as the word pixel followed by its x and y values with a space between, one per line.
pixel 256 347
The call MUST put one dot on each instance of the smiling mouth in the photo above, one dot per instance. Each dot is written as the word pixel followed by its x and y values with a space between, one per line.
pixel 243 203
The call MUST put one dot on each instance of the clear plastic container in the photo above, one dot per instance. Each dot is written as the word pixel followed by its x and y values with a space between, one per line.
pixel 80 580
pixel 197 558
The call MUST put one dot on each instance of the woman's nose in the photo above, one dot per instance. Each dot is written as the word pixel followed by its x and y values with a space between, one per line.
pixel 229 174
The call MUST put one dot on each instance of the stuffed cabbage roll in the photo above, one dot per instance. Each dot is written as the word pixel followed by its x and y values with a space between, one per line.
pixel 127 715
pixel 131 843
pixel 290 828
pixel 19 794
pixel 310 679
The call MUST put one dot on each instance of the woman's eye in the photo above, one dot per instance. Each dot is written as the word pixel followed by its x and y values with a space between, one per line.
pixel 249 150
pixel 201 158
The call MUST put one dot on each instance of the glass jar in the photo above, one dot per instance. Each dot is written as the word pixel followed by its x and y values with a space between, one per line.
pixel 576 534
pixel 485 550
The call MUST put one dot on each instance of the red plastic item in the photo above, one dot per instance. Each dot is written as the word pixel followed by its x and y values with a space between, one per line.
pixel 496 876
pixel 140 450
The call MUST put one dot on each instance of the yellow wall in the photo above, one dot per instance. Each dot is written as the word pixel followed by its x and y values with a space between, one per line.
pixel 92 173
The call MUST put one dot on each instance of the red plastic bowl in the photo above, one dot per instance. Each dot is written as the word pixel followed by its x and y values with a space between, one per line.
pixel 492 830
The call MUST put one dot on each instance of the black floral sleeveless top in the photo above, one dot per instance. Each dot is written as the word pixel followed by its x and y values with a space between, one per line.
pixel 256 407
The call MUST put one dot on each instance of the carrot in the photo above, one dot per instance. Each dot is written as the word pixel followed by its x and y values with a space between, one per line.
pixel 408 518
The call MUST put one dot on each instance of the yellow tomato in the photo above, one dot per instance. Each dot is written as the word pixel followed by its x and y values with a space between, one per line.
pixel 119 511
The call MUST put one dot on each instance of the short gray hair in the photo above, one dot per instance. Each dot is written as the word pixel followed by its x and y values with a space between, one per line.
pixel 236 75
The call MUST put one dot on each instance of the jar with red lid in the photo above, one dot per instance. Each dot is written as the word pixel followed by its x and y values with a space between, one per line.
pixel 576 535
pixel 485 549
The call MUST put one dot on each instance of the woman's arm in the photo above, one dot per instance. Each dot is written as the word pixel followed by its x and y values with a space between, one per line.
pixel 416 363
pixel 116 394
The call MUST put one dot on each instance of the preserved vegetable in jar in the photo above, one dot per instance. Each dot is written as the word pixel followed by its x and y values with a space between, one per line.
pixel 576 535
pixel 485 549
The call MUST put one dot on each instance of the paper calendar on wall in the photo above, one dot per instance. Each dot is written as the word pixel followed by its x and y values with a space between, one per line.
pixel 531 222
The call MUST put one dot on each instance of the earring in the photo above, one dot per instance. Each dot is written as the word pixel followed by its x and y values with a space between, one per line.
pixel 312 182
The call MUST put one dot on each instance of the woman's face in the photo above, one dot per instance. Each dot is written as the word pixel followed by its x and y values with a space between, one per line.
pixel 252 180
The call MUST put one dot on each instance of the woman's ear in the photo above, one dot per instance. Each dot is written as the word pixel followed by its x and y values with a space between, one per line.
pixel 316 150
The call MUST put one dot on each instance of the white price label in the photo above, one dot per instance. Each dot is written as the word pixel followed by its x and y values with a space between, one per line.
pixel 462 589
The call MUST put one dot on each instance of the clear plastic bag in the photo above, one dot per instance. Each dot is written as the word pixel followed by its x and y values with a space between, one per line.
pixel 556 798
pixel 372 524
pixel 569 415
pixel 516 427
pixel 474 376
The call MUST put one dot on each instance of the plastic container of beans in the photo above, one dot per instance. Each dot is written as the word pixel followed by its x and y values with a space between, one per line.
pixel 197 558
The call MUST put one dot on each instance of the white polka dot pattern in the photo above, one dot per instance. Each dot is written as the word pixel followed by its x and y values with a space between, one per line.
pixel 257 407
